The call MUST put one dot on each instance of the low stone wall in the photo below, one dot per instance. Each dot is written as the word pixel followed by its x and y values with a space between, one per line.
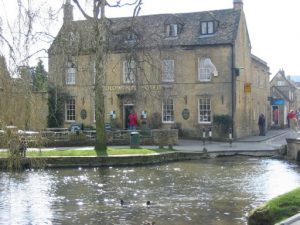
pixel 134 160
pixel 125 160
pixel 293 149
pixel 159 137
pixel 165 137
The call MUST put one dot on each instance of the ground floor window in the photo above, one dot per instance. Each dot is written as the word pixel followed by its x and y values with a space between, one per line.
pixel 70 109
pixel 204 110
pixel 168 111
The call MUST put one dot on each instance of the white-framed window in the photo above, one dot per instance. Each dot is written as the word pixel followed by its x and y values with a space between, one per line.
pixel 168 70
pixel 280 83
pixel 70 109
pixel 171 30
pixel 71 74
pixel 206 69
pixel 207 28
pixel 168 111
pixel 204 110
pixel 129 72
pixel 131 37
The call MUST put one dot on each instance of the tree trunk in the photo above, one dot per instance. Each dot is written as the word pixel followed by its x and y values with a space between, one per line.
pixel 101 54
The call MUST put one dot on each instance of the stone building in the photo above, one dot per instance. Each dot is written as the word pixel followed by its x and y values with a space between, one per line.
pixel 19 105
pixel 173 70
pixel 284 94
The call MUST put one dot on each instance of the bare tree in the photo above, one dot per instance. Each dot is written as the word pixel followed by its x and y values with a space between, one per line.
pixel 24 37
pixel 102 30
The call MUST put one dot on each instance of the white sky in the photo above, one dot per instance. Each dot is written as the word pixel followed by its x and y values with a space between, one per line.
pixel 273 25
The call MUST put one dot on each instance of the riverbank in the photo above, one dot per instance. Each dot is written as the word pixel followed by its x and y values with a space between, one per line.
pixel 128 160
pixel 271 145
pixel 277 209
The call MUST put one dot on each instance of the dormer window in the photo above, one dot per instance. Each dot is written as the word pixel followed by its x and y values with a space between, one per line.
pixel 207 28
pixel 131 37
pixel 172 30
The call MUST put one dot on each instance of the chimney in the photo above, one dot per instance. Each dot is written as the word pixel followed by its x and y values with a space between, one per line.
pixel 68 12
pixel 238 4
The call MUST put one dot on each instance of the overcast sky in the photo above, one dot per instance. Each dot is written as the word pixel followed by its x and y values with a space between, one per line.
pixel 273 25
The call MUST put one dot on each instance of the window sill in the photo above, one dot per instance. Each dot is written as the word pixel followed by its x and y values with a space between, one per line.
pixel 70 121
pixel 202 122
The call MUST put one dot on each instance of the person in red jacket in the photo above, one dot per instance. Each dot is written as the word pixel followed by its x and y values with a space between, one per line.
pixel 132 120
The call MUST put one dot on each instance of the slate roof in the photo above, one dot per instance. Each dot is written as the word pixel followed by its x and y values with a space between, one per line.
pixel 151 29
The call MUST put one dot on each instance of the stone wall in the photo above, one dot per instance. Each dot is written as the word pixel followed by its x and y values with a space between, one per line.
pixel 293 149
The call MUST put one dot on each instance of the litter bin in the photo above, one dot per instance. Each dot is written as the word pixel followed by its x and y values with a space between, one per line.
pixel 134 139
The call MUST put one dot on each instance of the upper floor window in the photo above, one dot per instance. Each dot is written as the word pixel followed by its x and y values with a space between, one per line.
pixel 207 28
pixel 204 110
pixel 71 74
pixel 168 110
pixel 172 30
pixel 129 71
pixel 280 83
pixel 70 110
pixel 168 70
pixel 206 69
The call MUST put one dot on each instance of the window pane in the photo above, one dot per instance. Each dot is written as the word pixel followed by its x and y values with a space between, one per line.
pixel 168 110
pixel 171 30
pixel 210 28
pixel 168 70
pixel 70 76
pixel 206 69
pixel 204 110
pixel 203 28
pixel 129 71
pixel 70 109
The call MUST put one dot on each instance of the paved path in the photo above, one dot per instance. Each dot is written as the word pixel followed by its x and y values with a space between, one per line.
pixel 273 140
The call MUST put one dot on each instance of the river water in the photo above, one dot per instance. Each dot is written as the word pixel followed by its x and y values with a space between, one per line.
pixel 210 192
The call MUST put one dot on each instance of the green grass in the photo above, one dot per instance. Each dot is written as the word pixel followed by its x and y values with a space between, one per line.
pixel 277 209
pixel 108 152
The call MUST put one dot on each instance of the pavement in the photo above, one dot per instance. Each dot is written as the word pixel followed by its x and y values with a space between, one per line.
pixel 273 140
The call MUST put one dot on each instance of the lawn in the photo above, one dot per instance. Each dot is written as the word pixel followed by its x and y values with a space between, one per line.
pixel 91 152
pixel 277 209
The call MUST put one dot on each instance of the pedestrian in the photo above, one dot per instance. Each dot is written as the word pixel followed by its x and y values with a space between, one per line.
pixel 23 147
pixel 293 121
pixel 132 120
pixel 288 119
pixel 262 124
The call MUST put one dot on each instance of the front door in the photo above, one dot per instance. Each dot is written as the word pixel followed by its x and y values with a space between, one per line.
pixel 126 111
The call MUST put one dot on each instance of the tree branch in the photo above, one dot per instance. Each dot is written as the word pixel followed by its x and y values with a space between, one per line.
pixel 81 10
pixel 124 4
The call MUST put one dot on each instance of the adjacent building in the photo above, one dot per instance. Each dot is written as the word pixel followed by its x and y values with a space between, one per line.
pixel 173 70
pixel 283 98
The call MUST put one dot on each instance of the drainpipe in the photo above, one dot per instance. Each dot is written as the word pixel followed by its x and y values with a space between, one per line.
pixel 233 88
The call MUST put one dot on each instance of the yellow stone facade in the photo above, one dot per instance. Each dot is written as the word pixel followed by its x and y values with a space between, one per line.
pixel 238 89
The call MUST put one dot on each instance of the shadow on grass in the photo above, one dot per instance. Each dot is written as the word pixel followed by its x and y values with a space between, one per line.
pixel 101 152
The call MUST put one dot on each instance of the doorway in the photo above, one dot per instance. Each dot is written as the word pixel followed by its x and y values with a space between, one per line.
pixel 126 111
pixel 275 115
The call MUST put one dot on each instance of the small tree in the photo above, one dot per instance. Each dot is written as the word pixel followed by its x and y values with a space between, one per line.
pixel 40 77
pixel 223 123
pixel 55 103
